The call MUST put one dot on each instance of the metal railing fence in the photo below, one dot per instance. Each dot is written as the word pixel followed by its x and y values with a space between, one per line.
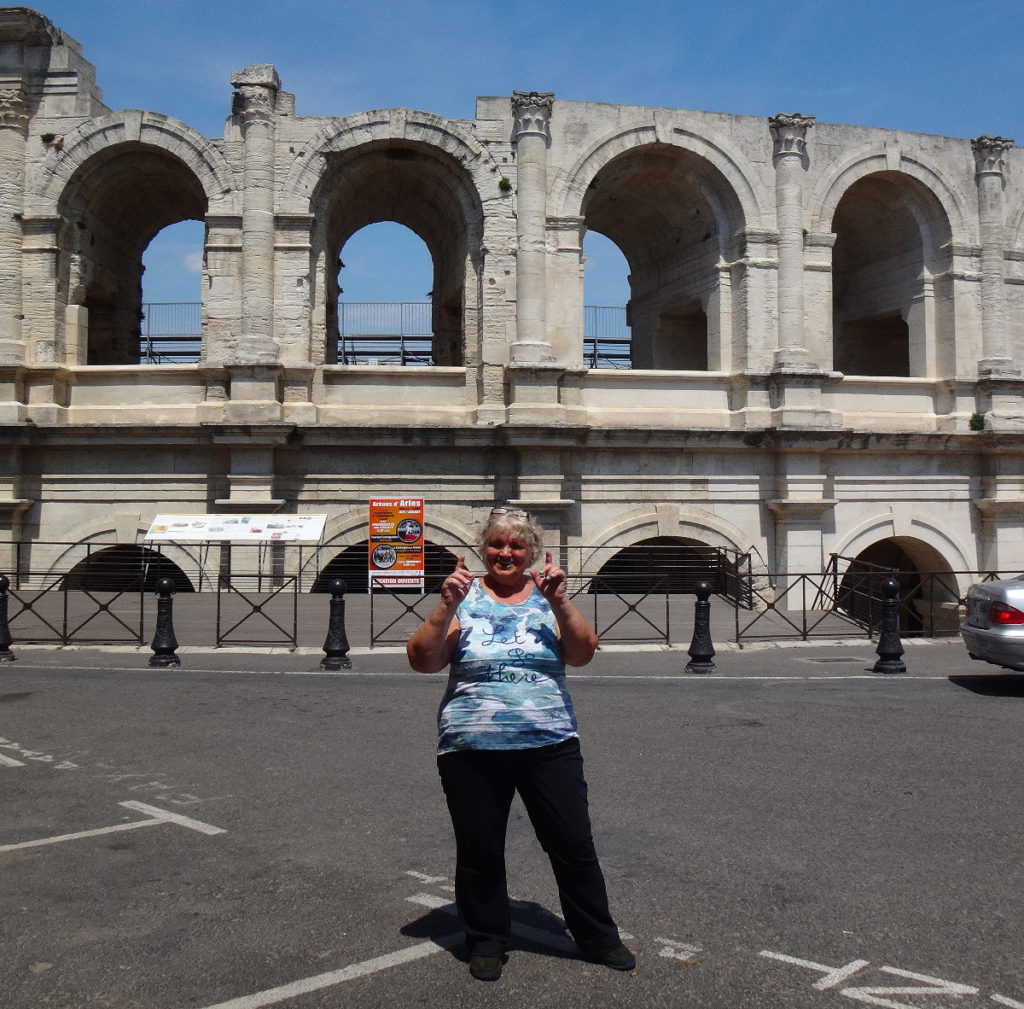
pixel 372 332
pixel 630 594
pixel 846 598
pixel 606 342
pixel 77 593
pixel 171 332
pixel 382 332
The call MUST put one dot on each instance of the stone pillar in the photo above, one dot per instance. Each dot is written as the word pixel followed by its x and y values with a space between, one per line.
pixel 256 93
pixel 14 116
pixel 789 133
pixel 802 511
pixel 988 156
pixel 532 113
pixel 1000 543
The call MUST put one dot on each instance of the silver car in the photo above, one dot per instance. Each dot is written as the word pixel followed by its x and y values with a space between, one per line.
pixel 993 629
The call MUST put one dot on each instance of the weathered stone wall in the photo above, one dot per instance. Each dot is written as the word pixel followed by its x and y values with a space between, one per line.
pixel 818 312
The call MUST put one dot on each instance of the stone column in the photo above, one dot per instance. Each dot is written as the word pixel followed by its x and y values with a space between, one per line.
pixel 256 92
pixel 14 116
pixel 789 134
pixel 532 112
pixel 988 156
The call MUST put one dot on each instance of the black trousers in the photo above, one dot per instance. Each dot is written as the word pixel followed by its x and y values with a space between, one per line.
pixel 479 786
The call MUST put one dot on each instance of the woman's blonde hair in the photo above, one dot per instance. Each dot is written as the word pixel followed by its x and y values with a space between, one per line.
pixel 515 522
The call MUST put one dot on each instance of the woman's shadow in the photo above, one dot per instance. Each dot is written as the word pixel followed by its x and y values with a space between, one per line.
pixel 535 929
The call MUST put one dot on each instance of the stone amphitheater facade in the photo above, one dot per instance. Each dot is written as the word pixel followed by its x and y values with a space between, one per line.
pixel 827 322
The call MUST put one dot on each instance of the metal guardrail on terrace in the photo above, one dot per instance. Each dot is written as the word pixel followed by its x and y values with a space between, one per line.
pixel 171 332
pixel 371 332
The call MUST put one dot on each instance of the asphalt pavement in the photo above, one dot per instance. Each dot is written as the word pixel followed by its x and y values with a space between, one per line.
pixel 790 830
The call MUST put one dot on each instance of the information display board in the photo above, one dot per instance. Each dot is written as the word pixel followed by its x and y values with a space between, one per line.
pixel 396 543
pixel 237 528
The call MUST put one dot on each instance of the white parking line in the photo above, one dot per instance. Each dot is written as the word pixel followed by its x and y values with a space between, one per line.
pixel 378 963
pixel 156 816
pixel 166 816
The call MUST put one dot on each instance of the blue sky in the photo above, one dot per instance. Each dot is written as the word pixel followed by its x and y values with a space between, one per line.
pixel 930 66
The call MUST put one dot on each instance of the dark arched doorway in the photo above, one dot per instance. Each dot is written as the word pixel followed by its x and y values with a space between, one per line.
pixel 124 568
pixel 672 564
pixel 928 593
pixel 891 238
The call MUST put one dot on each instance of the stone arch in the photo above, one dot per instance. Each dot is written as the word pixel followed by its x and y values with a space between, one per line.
pixel 894 223
pixel 202 158
pixel 893 525
pixel 569 190
pixel 919 551
pixel 414 169
pixel 125 178
pixel 676 205
pixel 310 163
pixel 56 559
pixel 647 523
pixel 869 160
pixel 126 567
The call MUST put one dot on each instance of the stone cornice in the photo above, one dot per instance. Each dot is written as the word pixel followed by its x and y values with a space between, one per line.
pixel 517 436
pixel 22 24
pixel 999 507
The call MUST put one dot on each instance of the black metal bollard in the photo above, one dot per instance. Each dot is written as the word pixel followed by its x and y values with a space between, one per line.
pixel 701 650
pixel 336 643
pixel 6 655
pixel 890 648
pixel 164 642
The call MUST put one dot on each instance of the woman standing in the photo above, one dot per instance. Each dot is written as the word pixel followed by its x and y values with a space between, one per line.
pixel 506 725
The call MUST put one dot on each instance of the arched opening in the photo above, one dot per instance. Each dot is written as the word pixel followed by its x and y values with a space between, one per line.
pixel 111 210
pixel 928 591
pixel 890 233
pixel 172 268
pixel 606 333
pixel 674 217
pixel 384 297
pixel 125 568
pixel 351 565
pixel 425 190
pixel 672 564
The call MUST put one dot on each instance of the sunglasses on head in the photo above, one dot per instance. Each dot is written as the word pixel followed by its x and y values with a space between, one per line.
pixel 518 512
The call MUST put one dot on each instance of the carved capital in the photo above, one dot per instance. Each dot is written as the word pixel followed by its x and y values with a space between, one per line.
pixel 988 154
pixel 532 111
pixel 13 107
pixel 789 133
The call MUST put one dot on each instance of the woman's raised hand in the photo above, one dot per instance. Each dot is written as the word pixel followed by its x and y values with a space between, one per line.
pixel 457 584
pixel 551 580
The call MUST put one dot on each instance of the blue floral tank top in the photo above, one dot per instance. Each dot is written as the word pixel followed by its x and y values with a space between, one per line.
pixel 506 686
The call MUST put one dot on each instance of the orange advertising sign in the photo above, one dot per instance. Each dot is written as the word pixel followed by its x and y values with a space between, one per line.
pixel 396 542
